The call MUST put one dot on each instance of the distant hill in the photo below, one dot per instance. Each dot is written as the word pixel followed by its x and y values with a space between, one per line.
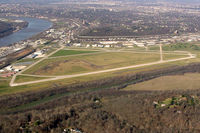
pixel 7 28
pixel 50 1
pixel 176 1
pixel 28 1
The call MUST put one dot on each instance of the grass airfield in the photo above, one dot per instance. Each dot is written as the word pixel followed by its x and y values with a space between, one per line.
pixel 94 60
pixel 88 63
pixel 81 60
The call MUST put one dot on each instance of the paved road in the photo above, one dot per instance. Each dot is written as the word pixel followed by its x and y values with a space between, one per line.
pixel 161 53
pixel 112 51
pixel 19 73
pixel 102 71
pixel 40 76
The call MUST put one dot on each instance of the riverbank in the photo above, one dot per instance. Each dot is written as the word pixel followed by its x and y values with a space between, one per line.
pixel 35 26
pixel 8 26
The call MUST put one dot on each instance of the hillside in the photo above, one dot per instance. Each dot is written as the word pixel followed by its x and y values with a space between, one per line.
pixel 9 26
pixel 103 105
pixel 5 29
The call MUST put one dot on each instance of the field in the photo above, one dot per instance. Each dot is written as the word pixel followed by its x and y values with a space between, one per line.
pixel 5 89
pixel 110 107
pixel 178 46
pixel 70 52
pixel 183 82
pixel 22 78
pixel 94 62
pixel 173 56
pixel 88 62
pixel 99 85
pixel 27 60
pixel 81 92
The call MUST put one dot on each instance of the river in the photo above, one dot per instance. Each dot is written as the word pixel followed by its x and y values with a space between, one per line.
pixel 35 26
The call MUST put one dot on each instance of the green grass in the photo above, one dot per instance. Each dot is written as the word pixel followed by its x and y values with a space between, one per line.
pixel 47 99
pixel 5 89
pixel 88 63
pixel 183 82
pixel 34 103
pixel 53 97
pixel 70 52
pixel 27 60
pixel 173 56
pixel 178 46
pixel 99 61
pixel 22 78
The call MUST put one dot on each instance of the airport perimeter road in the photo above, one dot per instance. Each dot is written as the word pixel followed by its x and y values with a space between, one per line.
pixel 19 73
pixel 190 56
pixel 161 53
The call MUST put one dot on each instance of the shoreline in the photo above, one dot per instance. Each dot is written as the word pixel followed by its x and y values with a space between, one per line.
pixel 16 26
pixel 25 30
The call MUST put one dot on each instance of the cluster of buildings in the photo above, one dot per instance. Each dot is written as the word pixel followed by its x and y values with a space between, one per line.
pixel 37 54
pixel 6 50
pixel 17 67
pixel 11 70
pixel 97 45
pixel 57 34
pixel 136 41
pixel 72 131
